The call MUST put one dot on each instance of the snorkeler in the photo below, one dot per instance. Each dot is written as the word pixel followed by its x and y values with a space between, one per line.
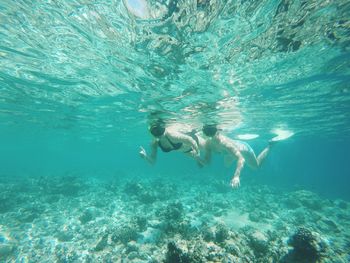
pixel 234 149
pixel 171 140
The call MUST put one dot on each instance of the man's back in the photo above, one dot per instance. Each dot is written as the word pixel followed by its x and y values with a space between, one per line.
pixel 222 144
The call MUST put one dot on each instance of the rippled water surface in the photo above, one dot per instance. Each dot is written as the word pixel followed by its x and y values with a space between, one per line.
pixel 101 66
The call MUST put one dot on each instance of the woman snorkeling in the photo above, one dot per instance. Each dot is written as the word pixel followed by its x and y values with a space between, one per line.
pixel 170 139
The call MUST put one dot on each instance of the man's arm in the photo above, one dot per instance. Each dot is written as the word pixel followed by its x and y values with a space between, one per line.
pixel 230 146
pixel 153 156
pixel 185 139
pixel 235 181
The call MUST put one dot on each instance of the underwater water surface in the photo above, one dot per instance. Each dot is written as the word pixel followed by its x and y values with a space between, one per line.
pixel 80 83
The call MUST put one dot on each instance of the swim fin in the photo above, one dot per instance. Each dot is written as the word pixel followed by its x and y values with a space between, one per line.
pixel 247 136
pixel 281 135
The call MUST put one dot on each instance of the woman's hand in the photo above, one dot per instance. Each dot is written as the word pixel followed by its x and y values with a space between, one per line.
pixel 142 152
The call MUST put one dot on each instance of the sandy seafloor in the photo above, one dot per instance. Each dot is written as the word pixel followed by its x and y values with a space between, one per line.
pixel 76 219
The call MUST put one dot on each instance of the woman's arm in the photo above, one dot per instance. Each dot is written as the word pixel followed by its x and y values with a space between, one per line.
pixel 184 138
pixel 153 156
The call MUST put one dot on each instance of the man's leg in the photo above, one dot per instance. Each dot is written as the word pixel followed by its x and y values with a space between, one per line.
pixel 262 155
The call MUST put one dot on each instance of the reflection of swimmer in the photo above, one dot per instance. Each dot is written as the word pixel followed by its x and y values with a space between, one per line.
pixel 233 149
pixel 170 140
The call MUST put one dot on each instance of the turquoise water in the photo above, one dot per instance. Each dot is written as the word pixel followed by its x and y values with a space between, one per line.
pixel 80 81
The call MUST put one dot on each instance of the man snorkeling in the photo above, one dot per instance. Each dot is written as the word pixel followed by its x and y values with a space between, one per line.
pixel 171 140
pixel 233 149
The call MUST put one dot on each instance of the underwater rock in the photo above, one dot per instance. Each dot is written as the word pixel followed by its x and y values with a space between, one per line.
pixel 140 192
pixel 177 253
pixel 221 233
pixel 258 241
pixel 343 216
pixel 151 235
pixel 102 243
pixel 88 215
pixel 64 253
pixel 208 233
pixel 255 216
pixel 5 204
pixel 341 204
pixel 113 185
pixel 187 230
pixel 6 250
pixel 308 199
pixel 140 222
pixel 232 248
pixel 222 187
pixel 331 225
pixel 184 228
pixel 133 255
pixel 174 211
pixel 307 247
pixel 291 203
pixel 164 190
pixel 218 213
pixel 10 199
pixel 124 234
pixel 147 197
pixel 133 188
pixel 131 247
pixel 28 217
pixel 174 220
pixel 214 253
pixel 66 185
pixel 183 252
pixel 53 198
pixel 64 235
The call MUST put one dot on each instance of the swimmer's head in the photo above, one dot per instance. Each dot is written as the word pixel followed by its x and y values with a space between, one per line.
pixel 210 130
pixel 157 128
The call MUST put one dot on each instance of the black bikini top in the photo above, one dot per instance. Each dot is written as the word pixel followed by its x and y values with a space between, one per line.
pixel 174 146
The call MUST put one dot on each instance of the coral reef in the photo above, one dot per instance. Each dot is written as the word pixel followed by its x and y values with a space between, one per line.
pixel 221 233
pixel 75 219
pixel 307 246
pixel 124 234
pixel 183 252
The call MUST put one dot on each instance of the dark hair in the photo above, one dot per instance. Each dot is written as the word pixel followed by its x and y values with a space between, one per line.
pixel 210 130
pixel 157 128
